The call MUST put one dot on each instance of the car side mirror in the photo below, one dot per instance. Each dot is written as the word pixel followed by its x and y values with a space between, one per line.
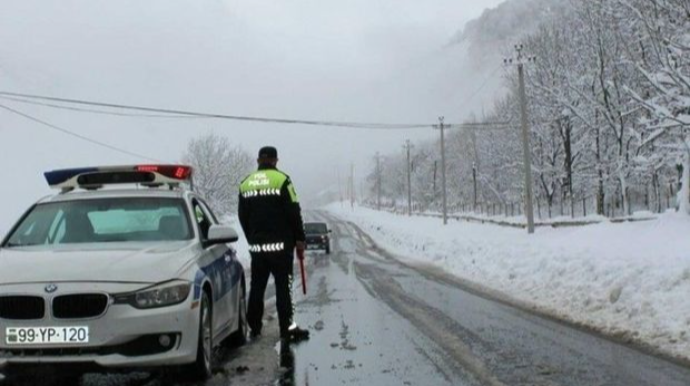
pixel 330 231
pixel 221 234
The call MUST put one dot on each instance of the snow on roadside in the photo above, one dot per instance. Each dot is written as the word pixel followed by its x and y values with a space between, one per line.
pixel 631 280
pixel 521 221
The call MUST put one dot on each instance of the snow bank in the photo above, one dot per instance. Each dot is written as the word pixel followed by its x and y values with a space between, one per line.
pixel 631 279
pixel 521 221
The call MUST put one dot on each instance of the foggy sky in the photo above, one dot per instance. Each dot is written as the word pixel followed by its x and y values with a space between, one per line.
pixel 355 60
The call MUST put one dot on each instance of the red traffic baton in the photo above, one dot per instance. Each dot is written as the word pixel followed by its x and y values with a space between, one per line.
pixel 304 276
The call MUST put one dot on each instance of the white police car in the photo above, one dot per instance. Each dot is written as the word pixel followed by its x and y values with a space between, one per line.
pixel 95 278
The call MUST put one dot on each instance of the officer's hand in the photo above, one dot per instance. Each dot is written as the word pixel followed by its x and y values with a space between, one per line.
pixel 300 247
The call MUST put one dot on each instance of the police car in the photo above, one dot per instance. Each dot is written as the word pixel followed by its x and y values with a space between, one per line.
pixel 101 277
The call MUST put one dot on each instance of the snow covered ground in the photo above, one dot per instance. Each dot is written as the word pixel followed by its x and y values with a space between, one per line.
pixel 521 221
pixel 631 280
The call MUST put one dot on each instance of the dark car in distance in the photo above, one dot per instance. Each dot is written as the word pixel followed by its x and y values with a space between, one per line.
pixel 318 236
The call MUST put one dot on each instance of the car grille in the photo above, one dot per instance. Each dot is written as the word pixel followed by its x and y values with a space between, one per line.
pixel 22 307
pixel 79 306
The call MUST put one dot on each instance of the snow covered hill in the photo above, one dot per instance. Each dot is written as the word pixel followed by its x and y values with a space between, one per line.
pixel 629 280
pixel 500 27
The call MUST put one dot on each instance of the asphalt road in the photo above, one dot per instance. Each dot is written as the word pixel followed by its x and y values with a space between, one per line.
pixel 378 321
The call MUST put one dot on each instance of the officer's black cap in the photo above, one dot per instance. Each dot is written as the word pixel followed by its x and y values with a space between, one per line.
pixel 268 152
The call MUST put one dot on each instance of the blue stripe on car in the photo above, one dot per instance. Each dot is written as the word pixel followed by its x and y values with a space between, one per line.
pixel 224 275
pixel 198 282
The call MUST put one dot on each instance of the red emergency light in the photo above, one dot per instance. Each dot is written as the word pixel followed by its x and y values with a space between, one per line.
pixel 179 172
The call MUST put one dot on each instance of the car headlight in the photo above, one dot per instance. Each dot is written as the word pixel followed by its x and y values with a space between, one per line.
pixel 161 295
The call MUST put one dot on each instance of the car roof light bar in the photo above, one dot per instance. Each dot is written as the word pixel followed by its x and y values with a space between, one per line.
pixel 97 177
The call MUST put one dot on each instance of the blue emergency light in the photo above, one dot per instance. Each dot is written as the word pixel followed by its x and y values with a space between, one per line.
pixel 56 177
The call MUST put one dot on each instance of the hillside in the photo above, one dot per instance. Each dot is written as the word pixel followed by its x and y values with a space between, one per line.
pixel 502 26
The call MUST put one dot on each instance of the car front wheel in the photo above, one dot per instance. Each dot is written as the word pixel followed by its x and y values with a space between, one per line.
pixel 201 369
pixel 241 335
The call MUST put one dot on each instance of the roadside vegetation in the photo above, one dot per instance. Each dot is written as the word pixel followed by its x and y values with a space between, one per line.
pixel 609 104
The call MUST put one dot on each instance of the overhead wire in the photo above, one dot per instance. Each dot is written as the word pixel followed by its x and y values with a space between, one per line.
pixel 94 111
pixel 172 113
pixel 77 135
pixel 482 86
pixel 481 125
pixel 357 125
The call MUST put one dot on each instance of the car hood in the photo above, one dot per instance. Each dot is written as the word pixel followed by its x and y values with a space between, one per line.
pixel 121 262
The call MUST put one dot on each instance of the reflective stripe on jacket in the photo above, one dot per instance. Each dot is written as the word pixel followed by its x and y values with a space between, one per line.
pixel 269 211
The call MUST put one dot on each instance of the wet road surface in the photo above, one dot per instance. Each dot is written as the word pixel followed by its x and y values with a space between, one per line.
pixel 356 339
pixel 378 321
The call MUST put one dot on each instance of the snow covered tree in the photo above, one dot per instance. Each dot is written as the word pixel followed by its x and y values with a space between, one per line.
pixel 609 102
pixel 663 30
pixel 219 168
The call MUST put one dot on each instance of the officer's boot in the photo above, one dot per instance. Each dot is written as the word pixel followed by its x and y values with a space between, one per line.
pixel 297 334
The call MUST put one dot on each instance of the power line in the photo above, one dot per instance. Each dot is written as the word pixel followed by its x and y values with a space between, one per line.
pixel 484 84
pixel 94 111
pixel 76 135
pixel 481 87
pixel 357 125
pixel 481 126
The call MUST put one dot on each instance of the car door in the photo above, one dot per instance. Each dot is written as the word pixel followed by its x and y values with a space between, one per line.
pixel 222 271
pixel 211 263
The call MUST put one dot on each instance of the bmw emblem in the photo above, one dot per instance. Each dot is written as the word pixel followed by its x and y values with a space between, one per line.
pixel 50 288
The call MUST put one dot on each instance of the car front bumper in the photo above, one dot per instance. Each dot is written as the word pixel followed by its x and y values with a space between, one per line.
pixel 318 243
pixel 123 337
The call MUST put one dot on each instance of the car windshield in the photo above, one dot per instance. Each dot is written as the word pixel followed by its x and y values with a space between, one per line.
pixel 103 220
pixel 315 228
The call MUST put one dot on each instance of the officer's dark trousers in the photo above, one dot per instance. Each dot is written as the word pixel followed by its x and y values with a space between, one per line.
pixel 280 265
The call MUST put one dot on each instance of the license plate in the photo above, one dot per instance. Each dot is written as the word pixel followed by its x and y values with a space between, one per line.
pixel 46 335
pixel 312 247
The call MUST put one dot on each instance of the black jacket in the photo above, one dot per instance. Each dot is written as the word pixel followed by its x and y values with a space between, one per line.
pixel 269 211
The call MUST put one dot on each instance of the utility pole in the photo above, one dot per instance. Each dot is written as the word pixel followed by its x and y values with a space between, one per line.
pixel 521 60
pixel 348 192
pixel 340 189
pixel 408 147
pixel 435 173
pixel 352 186
pixel 362 190
pixel 378 181
pixel 441 127
pixel 476 166
pixel 474 183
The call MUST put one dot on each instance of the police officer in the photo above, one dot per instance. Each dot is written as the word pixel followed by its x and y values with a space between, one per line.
pixel 271 218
